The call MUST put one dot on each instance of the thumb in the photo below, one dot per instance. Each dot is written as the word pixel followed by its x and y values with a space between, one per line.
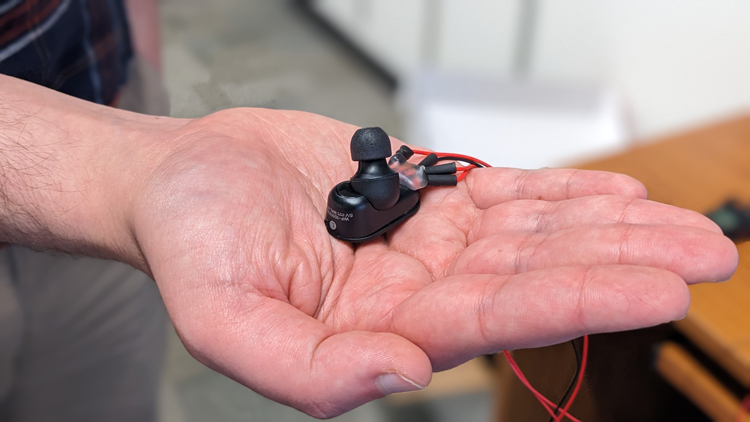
pixel 292 358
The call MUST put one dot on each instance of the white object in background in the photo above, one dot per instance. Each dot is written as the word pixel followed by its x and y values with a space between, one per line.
pixel 512 124
pixel 477 36
pixel 677 63
pixel 681 63
pixel 390 31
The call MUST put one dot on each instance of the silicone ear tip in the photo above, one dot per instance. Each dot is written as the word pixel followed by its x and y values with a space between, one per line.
pixel 370 143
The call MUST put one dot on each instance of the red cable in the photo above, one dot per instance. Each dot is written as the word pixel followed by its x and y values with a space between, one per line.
pixel 744 408
pixel 584 359
pixel 442 154
pixel 545 402
pixel 464 169
pixel 421 151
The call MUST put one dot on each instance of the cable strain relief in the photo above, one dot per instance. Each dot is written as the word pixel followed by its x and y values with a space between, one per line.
pixel 442 180
pixel 405 151
pixel 449 168
pixel 429 160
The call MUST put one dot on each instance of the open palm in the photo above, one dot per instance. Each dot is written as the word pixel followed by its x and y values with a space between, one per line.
pixel 231 227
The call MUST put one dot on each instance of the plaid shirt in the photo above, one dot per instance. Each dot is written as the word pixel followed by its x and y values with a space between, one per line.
pixel 78 47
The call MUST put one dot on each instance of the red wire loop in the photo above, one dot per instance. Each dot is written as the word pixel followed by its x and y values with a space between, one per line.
pixel 551 408
pixel 443 154
pixel 464 169
pixel 744 408
pixel 545 402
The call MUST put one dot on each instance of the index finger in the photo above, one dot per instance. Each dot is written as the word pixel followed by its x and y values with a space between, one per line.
pixel 492 186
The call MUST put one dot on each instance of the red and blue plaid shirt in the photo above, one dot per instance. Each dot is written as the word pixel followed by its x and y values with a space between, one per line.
pixel 78 47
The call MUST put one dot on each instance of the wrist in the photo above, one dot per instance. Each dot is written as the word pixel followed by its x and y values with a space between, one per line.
pixel 128 159
pixel 70 170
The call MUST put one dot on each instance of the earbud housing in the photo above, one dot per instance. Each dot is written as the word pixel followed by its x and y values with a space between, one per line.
pixel 373 201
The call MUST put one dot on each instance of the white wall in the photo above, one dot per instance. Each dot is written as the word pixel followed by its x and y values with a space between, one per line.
pixel 679 63
pixel 675 64
pixel 465 36
pixel 389 30
pixel 477 36
pixel 569 42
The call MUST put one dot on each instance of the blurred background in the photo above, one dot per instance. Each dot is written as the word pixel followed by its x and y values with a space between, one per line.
pixel 522 83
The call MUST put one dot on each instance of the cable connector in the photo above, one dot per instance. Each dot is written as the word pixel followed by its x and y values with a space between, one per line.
pixel 442 180
pixel 413 176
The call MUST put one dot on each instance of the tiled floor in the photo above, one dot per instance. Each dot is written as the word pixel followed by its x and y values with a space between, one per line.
pixel 263 53
pixel 232 53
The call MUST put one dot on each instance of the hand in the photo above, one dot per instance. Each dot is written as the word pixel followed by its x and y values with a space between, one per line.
pixel 230 225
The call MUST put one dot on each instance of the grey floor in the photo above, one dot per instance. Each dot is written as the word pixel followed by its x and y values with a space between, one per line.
pixel 263 53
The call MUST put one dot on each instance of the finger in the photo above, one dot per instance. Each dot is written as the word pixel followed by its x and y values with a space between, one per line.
pixel 544 216
pixel 296 360
pixel 493 186
pixel 458 318
pixel 696 255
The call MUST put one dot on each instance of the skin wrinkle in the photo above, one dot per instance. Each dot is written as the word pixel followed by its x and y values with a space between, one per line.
pixel 476 226
pixel 622 249
pixel 445 203
pixel 295 252
pixel 626 209
pixel 543 214
pixel 291 279
pixel 638 298
pixel 310 254
pixel 247 300
pixel 518 259
pixel 281 252
pixel 305 176
pixel 374 294
pixel 275 251
pixel 486 308
pixel 335 273
pixel 573 173
pixel 389 314
pixel 585 281
pixel 452 198
pixel 331 296
pixel 316 348
pixel 520 183
pixel 326 274
pixel 350 318
pixel 537 246
pixel 307 281
pixel 469 181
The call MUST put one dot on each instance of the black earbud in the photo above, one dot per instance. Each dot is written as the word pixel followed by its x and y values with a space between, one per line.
pixel 374 179
pixel 373 200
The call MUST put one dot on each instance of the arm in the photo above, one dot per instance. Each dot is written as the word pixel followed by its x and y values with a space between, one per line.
pixel 226 211
pixel 66 164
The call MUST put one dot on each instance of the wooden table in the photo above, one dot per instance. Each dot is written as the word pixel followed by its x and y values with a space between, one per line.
pixel 699 170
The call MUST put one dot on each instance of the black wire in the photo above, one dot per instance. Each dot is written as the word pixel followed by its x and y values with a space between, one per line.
pixel 572 382
pixel 464 160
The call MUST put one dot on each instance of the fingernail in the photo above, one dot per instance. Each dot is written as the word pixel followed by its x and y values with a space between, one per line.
pixel 395 383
